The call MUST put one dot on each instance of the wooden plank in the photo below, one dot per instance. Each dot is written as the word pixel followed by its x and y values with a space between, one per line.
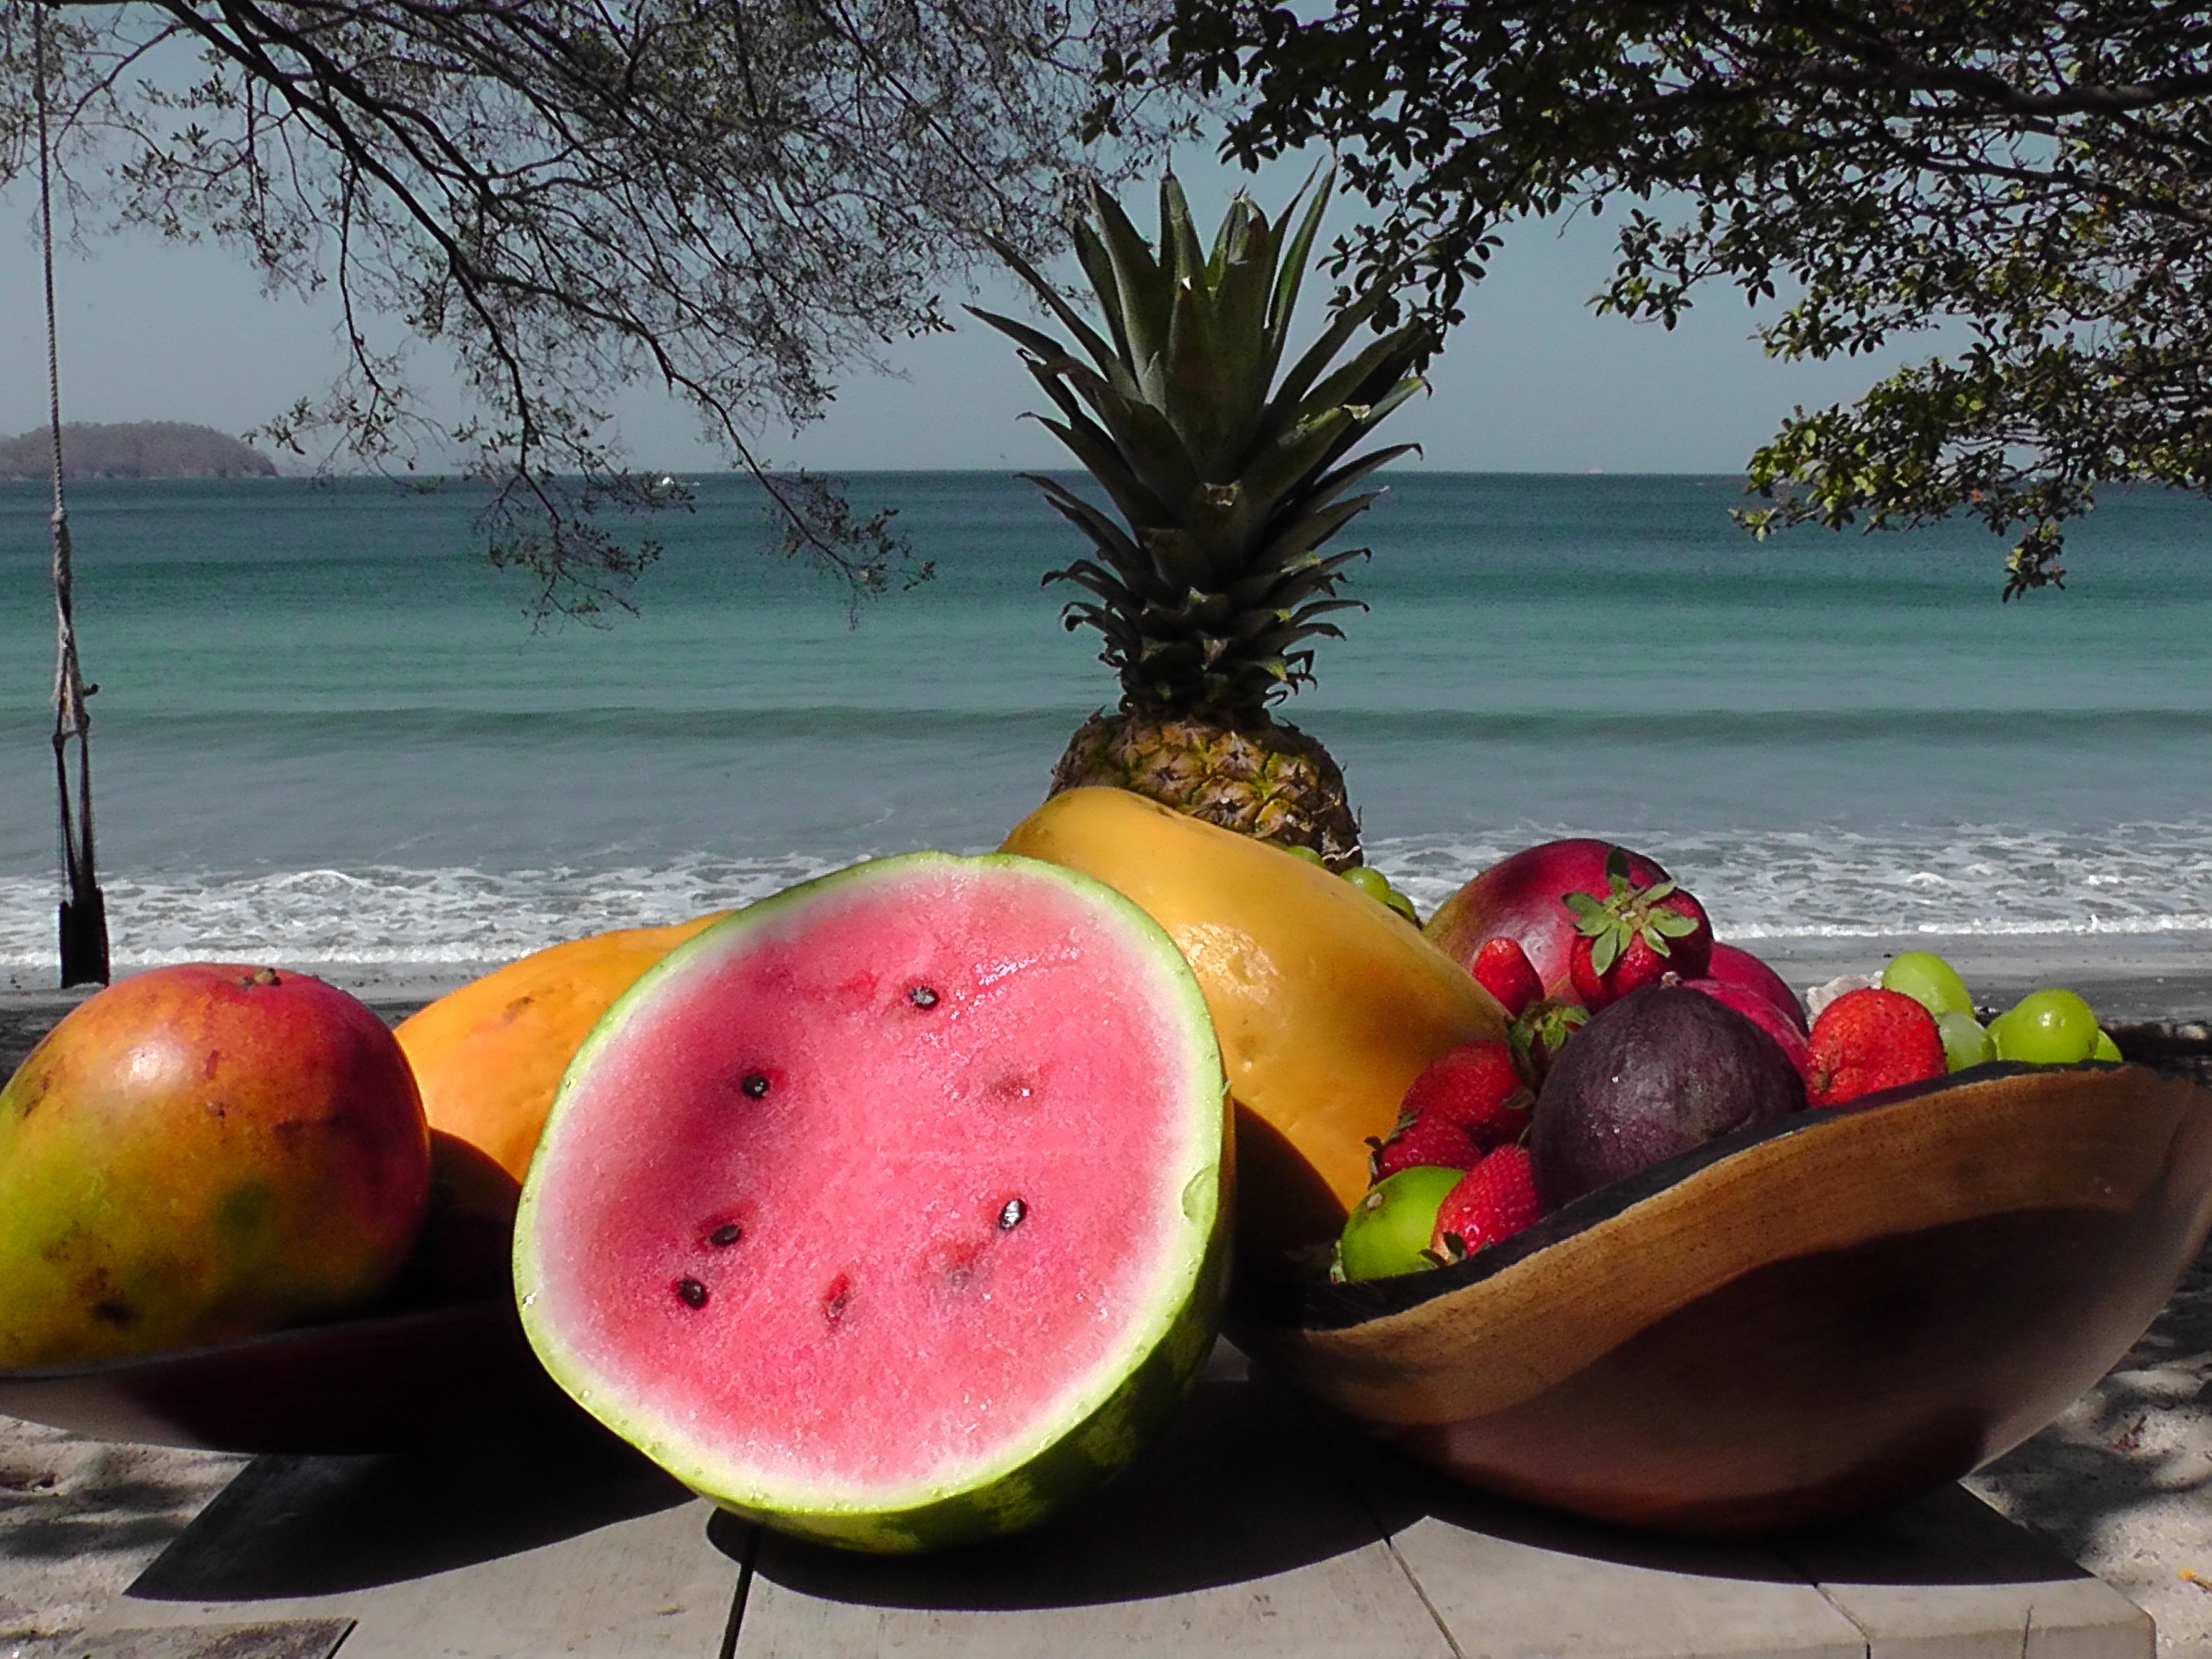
pixel 1948 1578
pixel 576 1547
pixel 291 1639
pixel 79 1520
pixel 1512 1582
pixel 1234 1534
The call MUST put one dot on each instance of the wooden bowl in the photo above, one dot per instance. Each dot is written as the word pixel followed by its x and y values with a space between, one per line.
pixel 394 1382
pixel 1794 1325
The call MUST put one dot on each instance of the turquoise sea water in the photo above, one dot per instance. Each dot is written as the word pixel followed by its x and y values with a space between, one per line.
pixel 327 730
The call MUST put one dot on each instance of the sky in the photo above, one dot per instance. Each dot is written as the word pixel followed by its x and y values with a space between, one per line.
pixel 1534 381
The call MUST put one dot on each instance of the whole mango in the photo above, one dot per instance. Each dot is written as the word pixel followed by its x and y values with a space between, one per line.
pixel 1327 1006
pixel 489 1056
pixel 199 1154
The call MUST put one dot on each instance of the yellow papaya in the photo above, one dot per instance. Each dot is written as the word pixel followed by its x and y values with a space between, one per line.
pixel 1326 1005
pixel 489 1056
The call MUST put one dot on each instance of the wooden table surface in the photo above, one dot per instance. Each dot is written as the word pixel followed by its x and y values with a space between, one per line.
pixel 1255 1526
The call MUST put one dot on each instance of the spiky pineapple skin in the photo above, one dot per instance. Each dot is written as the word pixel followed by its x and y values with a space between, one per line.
pixel 1257 775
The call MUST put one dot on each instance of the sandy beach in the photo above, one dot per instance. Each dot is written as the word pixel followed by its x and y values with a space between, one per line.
pixel 2122 1481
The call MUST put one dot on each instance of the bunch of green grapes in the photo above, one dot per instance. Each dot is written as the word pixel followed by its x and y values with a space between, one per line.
pixel 2046 1027
pixel 1370 881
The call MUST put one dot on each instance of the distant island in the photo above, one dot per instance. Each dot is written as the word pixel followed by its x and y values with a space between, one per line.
pixel 135 449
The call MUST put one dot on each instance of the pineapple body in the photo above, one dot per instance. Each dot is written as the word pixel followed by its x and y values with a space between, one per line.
pixel 1249 773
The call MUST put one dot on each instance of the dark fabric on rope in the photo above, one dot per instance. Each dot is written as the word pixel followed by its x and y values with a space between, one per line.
pixel 83 908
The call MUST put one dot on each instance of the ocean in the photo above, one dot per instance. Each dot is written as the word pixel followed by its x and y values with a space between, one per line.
pixel 327 731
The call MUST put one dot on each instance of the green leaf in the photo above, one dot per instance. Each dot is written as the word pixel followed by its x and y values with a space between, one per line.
pixel 1605 950
pixel 1085 335
pixel 1180 255
pixel 1146 291
pixel 1291 274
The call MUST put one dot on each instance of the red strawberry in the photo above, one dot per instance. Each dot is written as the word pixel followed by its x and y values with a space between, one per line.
pixel 1502 968
pixel 1539 1035
pixel 1629 935
pixel 1493 1201
pixel 1430 1143
pixel 1868 1039
pixel 1477 1087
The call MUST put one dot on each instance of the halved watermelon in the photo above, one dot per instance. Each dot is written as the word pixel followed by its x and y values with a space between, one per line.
pixel 889 1210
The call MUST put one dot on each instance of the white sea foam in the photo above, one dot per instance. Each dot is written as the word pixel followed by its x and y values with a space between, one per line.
pixel 1835 883
pixel 385 915
pixel 1980 879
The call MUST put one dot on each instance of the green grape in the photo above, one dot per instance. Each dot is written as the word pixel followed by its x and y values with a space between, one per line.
pixel 1930 980
pixel 1389 1229
pixel 2049 1027
pixel 1370 881
pixel 1404 906
pixel 2105 1048
pixel 1298 851
pixel 1965 1043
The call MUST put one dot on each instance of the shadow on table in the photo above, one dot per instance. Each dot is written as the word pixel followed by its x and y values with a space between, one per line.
pixel 1250 1481
pixel 1948 1536
pixel 1231 1491
pixel 315 1526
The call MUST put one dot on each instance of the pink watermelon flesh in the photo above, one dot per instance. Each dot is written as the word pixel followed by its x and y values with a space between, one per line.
pixel 861 1195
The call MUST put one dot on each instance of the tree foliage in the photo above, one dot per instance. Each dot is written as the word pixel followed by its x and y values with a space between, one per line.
pixel 2036 172
pixel 734 198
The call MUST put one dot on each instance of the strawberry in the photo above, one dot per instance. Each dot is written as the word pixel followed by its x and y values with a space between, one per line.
pixel 1416 1142
pixel 1870 1039
pixel 1493 1201
pixel 1502 968
pixel 1477 1087
pixel 1627 937
pixel 1538 1034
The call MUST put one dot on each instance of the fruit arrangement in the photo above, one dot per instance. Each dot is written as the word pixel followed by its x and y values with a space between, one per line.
pixel 896 1209
pixel 732 1252
pixel 1640 1038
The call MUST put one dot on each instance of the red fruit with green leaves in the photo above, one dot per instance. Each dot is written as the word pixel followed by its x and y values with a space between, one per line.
pixel 1493 1201
pixel 1417 1143
pixel 1539 1034
pixel 1868 1039
pixel 1502 968
pixel 1477 1087
pixel 1522 897
pixel 1629 934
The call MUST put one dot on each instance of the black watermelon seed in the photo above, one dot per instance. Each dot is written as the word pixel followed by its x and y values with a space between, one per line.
pixel 1010 1217
pixel 726 1235
pixel 921 996
pixel 833 1300
pixel 690 1292
pixel 755 1084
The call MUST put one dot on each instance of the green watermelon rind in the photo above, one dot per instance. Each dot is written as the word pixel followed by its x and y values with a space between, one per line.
pixel 1110 1413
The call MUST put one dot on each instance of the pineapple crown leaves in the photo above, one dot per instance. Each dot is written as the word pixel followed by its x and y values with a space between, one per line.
pixel 1626 912
pixel 1221 487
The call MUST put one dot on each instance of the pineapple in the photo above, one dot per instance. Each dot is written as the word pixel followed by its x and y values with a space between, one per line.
pixel 1226 482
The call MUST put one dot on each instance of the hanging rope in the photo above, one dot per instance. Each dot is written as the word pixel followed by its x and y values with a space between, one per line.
pixel 83 910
